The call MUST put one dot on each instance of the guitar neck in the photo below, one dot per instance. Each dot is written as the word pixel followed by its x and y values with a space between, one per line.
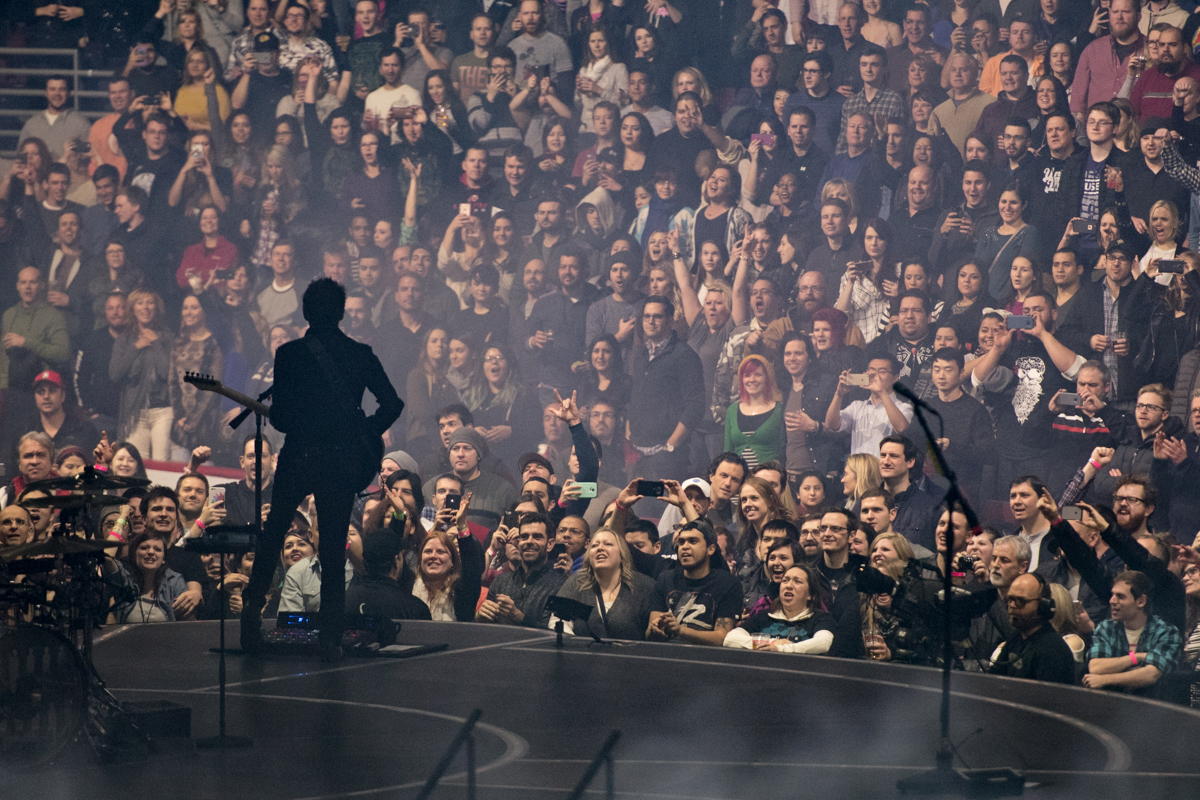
pixel 237 397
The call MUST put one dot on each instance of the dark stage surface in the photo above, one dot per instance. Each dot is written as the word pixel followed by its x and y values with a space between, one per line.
pixel 695 722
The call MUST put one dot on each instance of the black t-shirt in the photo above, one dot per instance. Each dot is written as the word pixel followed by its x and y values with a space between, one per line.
pixel 698 604
pixel 1023 416
pixel 711 229
pixel 383 597
pixel 263 95
pixel 1044 656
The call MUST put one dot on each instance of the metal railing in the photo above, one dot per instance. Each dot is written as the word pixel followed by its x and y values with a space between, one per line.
pixel 465 735
pixel 603 759
pixel 23 111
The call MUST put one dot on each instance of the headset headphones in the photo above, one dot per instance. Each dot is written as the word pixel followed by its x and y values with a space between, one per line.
pixel 1046 605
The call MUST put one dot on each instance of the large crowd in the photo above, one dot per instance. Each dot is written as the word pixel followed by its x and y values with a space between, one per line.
pixel 644 275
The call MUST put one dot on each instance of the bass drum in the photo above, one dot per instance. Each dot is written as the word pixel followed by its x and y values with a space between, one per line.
pixel 43 696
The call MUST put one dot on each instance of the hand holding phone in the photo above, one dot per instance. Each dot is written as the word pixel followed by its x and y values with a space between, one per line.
pixel 1019 322
pixel 651 488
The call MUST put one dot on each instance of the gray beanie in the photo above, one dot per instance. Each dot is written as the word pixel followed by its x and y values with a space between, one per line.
pixel 403 460
pixel 465 435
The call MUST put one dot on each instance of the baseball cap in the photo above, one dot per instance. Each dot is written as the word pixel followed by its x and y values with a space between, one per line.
pixel 50 376
pixel 266 42
pixel 533 458
pixel 700 484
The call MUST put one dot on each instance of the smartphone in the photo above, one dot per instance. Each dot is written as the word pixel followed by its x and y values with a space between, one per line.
pixel 1079 226
pixel 452 502
pixel 464 209
pixel 510 519
pixel 651 488
pixel 1068 400
pixel 197 152
pixel 216 495
pixel 1173 265
pixel 768 139
pixel 225 274
pixel 262 58
pixel 1019 322
pixel 1071 513
pixel 556 551
pixel 407 41
pixel 857 379
pixel 587 490
pixel 542 71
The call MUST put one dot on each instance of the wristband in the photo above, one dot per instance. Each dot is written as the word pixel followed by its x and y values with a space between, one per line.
pixel 1133 657
pixel 958 574
pixel 120 523
pixel 1095 464
pixel 200 525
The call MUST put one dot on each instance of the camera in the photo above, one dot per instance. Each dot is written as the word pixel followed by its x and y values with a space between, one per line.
pixel 967 563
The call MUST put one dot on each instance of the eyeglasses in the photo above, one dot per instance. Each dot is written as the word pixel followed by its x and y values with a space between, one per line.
pixel 1019 601
pixel 1118 499
pixel 1148 407
pixel 494 360
pixel 1192 572
pixel 832 529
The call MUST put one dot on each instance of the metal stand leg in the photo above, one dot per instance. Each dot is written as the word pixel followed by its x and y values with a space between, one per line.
pixel 221 741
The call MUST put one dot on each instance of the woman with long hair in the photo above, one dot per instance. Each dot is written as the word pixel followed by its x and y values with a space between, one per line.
pixel 767 160
pixel 636 138
pixel 191 101
pixel 299 544
pixel 122 459
pixel 806 396
pixel 279 174
pixel 1051 97
pixel 654 57
pixel 446 110
pixel 720 216
pixel 428 389
pixel 864 295
pixel 618 594
pixel 660 282
pixel 500 251
pixel 965 309
pixel 1061 62
pixel 30 175
pixel 1174 326
pixel 1001 242
pixel 600 77
pixel 876 28
pixel 236 149
pixel 859 476
pixel 145 571
pixel 605 379
pixel 795 622
pixel 1128 133
pixel 557 156
pixel 450 566
pixel 141 365
pixel 1190 662
pixel 197 415
pixel 758 505
pixel 506 413
pixel 754 423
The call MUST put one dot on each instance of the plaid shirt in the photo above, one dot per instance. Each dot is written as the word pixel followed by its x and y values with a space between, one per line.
pixel 1160 641
pixel 886 103
pixel 1112 324
pixel 869 308
pixel 243 45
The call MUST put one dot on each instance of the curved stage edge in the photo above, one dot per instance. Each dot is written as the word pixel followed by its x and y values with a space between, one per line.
pixel 703 723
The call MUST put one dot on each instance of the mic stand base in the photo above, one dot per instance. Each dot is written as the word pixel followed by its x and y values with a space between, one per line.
pixel 947 782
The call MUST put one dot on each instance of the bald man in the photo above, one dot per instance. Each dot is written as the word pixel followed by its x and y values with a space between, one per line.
pixel 1035 651
pixel 33 324
pixel 16 526
pixel 913 233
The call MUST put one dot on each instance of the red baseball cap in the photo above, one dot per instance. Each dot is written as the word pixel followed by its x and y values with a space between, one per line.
pixel 51 376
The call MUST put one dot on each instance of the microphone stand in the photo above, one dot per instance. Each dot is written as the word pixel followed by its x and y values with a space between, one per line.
pixel 943 778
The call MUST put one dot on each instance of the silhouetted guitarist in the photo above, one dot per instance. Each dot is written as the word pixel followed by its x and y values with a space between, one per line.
pixel 332 450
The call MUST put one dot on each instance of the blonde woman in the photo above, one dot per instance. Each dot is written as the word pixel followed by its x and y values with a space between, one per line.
pixel 859 476
pixel 1066 621
pixel 1162 228
pixel 618 595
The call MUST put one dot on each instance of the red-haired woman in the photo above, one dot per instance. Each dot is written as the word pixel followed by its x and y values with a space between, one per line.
pixel 754 425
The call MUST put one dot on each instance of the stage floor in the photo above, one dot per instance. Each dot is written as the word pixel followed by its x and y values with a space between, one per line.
pixel 696 722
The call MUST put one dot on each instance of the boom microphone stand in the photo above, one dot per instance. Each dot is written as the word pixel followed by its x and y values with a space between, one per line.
pixel 943 778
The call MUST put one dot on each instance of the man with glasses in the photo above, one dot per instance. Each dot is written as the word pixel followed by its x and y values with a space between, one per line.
pixel 1135 457
pixel 1116 333
pixel 816 93
pixel 869 421
pixel 1078 429
pixel 668 397
pixel 1153 94
pixel 1035 651
pixel 837 564
pixel 1102 181
pixel 911 344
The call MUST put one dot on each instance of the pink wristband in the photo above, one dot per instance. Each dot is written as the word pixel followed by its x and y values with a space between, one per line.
pixel 1133 657
pixel 1096 464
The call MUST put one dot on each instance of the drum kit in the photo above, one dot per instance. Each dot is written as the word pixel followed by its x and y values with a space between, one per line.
pixel 50 691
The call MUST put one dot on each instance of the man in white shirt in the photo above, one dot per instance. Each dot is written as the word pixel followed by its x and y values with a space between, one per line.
pixel 870 420
pixel 279 302
pixel 388 105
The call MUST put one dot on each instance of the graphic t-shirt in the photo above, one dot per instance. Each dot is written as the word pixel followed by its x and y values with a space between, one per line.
pixel 1089 207
pixel 698 604
pixel 797 630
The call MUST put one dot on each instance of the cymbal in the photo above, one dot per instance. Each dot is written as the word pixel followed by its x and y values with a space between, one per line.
pixel 65 501
pixel 56 546
pixel 90 480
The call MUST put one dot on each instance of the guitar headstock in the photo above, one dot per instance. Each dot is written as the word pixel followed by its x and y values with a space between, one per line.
pixel 201 380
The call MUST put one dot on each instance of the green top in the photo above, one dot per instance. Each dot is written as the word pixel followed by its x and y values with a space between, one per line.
pixel 767 442
pixel 45 332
